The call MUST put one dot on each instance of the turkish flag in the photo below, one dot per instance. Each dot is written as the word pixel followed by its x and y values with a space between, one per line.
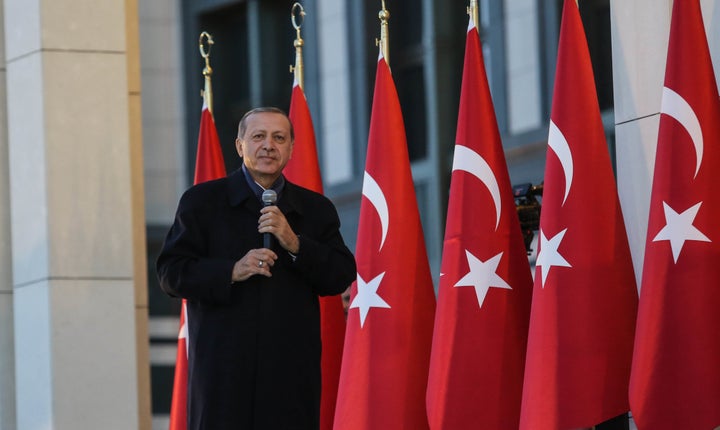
pixel 209 164
pixel 480 336
pixel 584 301
pixel 303 169
pixel 675 380
pixel 389 326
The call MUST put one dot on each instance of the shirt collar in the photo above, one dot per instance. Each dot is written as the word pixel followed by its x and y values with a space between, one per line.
pixel 258 189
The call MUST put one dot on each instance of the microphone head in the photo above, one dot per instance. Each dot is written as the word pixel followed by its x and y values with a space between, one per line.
pixel 269 197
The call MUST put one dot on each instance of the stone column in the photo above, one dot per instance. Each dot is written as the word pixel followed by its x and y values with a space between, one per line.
pixel 142 338
pixel 71 214
pixel 7 349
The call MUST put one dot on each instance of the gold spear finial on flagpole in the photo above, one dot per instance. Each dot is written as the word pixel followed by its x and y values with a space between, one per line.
pixel 207 71
pixel 298 69
pixel 384 41
pixel 472 10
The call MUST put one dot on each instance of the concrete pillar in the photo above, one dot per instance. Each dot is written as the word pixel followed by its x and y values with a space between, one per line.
pixel 142 339
pixel 7 349
pixel 71 214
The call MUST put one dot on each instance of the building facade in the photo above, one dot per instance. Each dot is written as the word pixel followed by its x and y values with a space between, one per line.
pixel 100 108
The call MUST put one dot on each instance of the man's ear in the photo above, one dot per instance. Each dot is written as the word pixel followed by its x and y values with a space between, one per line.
pixel 238 146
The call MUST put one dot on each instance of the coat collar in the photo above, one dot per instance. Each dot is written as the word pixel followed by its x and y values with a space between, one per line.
pixel 240 193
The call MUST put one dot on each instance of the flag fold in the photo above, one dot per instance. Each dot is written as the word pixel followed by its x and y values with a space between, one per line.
pixel 483 309
pixel 389 326
pixel 584 300
pixel 675 380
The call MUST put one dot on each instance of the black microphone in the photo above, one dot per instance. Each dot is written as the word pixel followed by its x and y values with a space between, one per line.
pixel 269 197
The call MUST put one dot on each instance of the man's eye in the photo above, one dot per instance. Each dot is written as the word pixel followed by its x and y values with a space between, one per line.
pixel 257 137
pixel 279 138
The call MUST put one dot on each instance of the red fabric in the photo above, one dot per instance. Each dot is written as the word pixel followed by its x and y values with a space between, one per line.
pixel 209 165
pixel 385 361
pixel 478 350
pixel 584 297
pixel 303 169
pixel 675 379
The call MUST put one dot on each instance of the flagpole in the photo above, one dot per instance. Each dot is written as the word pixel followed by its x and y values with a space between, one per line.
pixel 298 43
pixel 474 13
pixel 207 71
pixel 384 42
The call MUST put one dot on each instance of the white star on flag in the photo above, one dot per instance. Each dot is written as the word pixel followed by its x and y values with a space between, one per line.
pixel 679 228
pixel 549 255
pixel 482 276
pixel 367 296
pixel 184 330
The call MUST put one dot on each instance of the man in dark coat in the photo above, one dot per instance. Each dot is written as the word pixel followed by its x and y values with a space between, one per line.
pixel 253 313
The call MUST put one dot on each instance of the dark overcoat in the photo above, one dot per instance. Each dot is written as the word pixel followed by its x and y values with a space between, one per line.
pixel 254 346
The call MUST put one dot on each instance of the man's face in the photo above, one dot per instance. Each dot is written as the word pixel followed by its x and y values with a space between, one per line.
pixel 266 146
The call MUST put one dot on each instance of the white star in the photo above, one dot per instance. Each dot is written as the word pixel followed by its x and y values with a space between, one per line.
pixel 482 276
pixel 549 255
pixel 184 329
pixel 367 296
pixel 679 228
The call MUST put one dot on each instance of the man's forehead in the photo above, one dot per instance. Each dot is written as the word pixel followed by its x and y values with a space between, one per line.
pixel 264 121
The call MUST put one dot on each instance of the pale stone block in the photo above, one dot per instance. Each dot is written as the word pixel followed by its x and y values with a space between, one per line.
pixel 88 160
pixel 636 142
pixel 22 27
pixel 26 150
pixel 33 358
pixel 640 31
pixel 93 347
pixel 75 24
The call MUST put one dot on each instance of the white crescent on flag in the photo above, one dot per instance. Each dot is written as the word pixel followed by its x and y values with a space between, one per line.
pixel 677 107
pixel 467 160
pixel 559 145
pixel 375 196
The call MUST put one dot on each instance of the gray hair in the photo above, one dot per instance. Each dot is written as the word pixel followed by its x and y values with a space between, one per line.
pixel 242 127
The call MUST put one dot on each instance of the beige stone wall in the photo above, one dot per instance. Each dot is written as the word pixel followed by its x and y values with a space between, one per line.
pixel 73 139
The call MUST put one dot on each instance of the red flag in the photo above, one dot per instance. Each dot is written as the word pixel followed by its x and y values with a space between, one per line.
pixel 209 165
pixel 584 297
pixel 675 379
pixel 478 350
pixel 303 169
pixel 389 327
